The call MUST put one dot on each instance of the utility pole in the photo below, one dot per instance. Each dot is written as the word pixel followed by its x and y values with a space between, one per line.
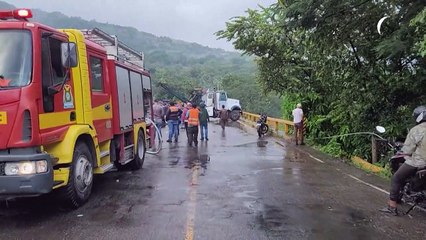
pixel 373 149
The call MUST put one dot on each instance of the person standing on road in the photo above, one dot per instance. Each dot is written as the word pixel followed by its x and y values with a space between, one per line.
pixel 184 118
pixel 223 115
pixel 158 115
pixel 193 116
pixel 204 119
pixel 298 124
pixel 172 118
pixel 414 150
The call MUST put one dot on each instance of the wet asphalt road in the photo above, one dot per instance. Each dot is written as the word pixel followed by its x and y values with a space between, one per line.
pixel 231 187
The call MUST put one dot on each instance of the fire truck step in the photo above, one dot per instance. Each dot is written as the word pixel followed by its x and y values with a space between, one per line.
pixel 128 155
pixel 104 168
pixel 127 147
pixel 104 154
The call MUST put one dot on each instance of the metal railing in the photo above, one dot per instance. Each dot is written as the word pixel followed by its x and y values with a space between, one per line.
pixel 276 124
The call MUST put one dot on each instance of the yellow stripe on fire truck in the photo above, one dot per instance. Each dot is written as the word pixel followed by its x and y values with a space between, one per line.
pixel 3 117
pixel 57 119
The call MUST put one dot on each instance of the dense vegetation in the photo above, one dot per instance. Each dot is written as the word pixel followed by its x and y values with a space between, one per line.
pixel 180 64
pixel 328 55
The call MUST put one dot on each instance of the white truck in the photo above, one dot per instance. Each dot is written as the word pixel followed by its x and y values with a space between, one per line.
pixel 214 101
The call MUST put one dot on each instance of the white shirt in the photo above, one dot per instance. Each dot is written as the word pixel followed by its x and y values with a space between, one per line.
pixel 297 115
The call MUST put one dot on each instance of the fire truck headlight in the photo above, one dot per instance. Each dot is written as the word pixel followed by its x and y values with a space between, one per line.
pixel 11 169
pixel 25 168
pixel 41 166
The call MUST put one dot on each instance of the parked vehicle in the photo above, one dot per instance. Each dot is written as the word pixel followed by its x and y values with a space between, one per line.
pixel 74 105
pixel 261 126
pixel 214 101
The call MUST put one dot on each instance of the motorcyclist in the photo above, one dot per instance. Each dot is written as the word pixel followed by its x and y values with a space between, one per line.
pixel 261 123
pixel 263 117
pixel 414 150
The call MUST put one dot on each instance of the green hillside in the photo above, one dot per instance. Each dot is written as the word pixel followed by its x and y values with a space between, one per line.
pixel 181 64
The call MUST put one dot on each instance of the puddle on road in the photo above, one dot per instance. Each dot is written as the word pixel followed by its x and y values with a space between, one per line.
pixel 316 221
pixel 174 161
pixel 272 218
pixel 295 156
pixel 268 170
pixel 260 143
pixel 201 160
pixel 245 194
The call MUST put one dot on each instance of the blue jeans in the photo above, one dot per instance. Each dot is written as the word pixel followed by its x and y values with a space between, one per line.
pixel 204 131
pixel 159 124
pixel 173 129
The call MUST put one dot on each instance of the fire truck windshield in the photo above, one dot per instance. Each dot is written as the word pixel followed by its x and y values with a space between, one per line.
pixel 15 58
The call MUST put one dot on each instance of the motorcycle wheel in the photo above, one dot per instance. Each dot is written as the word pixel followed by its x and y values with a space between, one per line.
pixel 264 129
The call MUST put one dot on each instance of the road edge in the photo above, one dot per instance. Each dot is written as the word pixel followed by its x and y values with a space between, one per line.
pixel 355 160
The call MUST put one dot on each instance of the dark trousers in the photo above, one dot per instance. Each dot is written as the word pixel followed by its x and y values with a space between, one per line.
pixel 223 123
pixel 192 135
pixel 398 180
pixel 186 128
pixel 298 131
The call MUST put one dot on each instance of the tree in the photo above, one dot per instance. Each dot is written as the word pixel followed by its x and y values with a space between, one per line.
pixel 328 54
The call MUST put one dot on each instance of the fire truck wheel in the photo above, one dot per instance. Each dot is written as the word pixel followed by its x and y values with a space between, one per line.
pixel 80 179
pixel 140 152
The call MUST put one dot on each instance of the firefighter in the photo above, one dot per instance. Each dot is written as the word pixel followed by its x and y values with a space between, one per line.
pixel 193 123
pixel 172 118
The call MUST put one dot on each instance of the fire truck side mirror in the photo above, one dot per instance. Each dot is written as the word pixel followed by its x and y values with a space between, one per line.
pixel 69 54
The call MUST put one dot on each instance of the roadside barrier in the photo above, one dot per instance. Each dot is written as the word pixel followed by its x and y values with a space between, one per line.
pixel 276 124
pixel 305 125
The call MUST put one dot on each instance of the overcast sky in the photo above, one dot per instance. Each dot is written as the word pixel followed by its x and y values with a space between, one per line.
pixel 188 20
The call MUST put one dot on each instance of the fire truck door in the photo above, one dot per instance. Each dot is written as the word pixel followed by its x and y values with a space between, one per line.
pixel 137 96
pixel 58 109
pixel 147 97
pixel 101 103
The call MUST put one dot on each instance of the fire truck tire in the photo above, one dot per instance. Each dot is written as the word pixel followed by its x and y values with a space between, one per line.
pixel 235 115
pixel 137 163
pixel 80 179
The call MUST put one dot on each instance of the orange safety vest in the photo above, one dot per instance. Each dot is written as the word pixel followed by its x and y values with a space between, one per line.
pixel 193 117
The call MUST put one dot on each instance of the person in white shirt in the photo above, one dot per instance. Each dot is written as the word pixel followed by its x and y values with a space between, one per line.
pixel 298 124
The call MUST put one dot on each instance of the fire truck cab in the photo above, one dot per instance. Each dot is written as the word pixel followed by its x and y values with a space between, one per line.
pixel 72 105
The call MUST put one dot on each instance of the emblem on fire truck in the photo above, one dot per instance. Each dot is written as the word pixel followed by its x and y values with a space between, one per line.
pixel 67 99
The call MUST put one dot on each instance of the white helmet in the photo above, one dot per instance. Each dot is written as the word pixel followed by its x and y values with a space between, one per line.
pixel 419 114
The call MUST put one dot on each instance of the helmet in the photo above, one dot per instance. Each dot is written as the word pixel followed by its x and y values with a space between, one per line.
pixel 419 114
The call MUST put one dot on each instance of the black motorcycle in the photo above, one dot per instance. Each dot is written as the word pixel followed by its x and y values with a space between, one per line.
pixel 261 126
pixel 414 190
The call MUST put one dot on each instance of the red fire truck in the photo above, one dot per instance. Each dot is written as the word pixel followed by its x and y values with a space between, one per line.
pixel 73 103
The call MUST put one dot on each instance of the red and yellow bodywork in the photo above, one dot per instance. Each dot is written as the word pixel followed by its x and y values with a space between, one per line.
pixel 28 132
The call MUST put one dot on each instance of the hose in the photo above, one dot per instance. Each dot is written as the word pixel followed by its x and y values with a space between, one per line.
pixel 158 137
pixel 359 133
